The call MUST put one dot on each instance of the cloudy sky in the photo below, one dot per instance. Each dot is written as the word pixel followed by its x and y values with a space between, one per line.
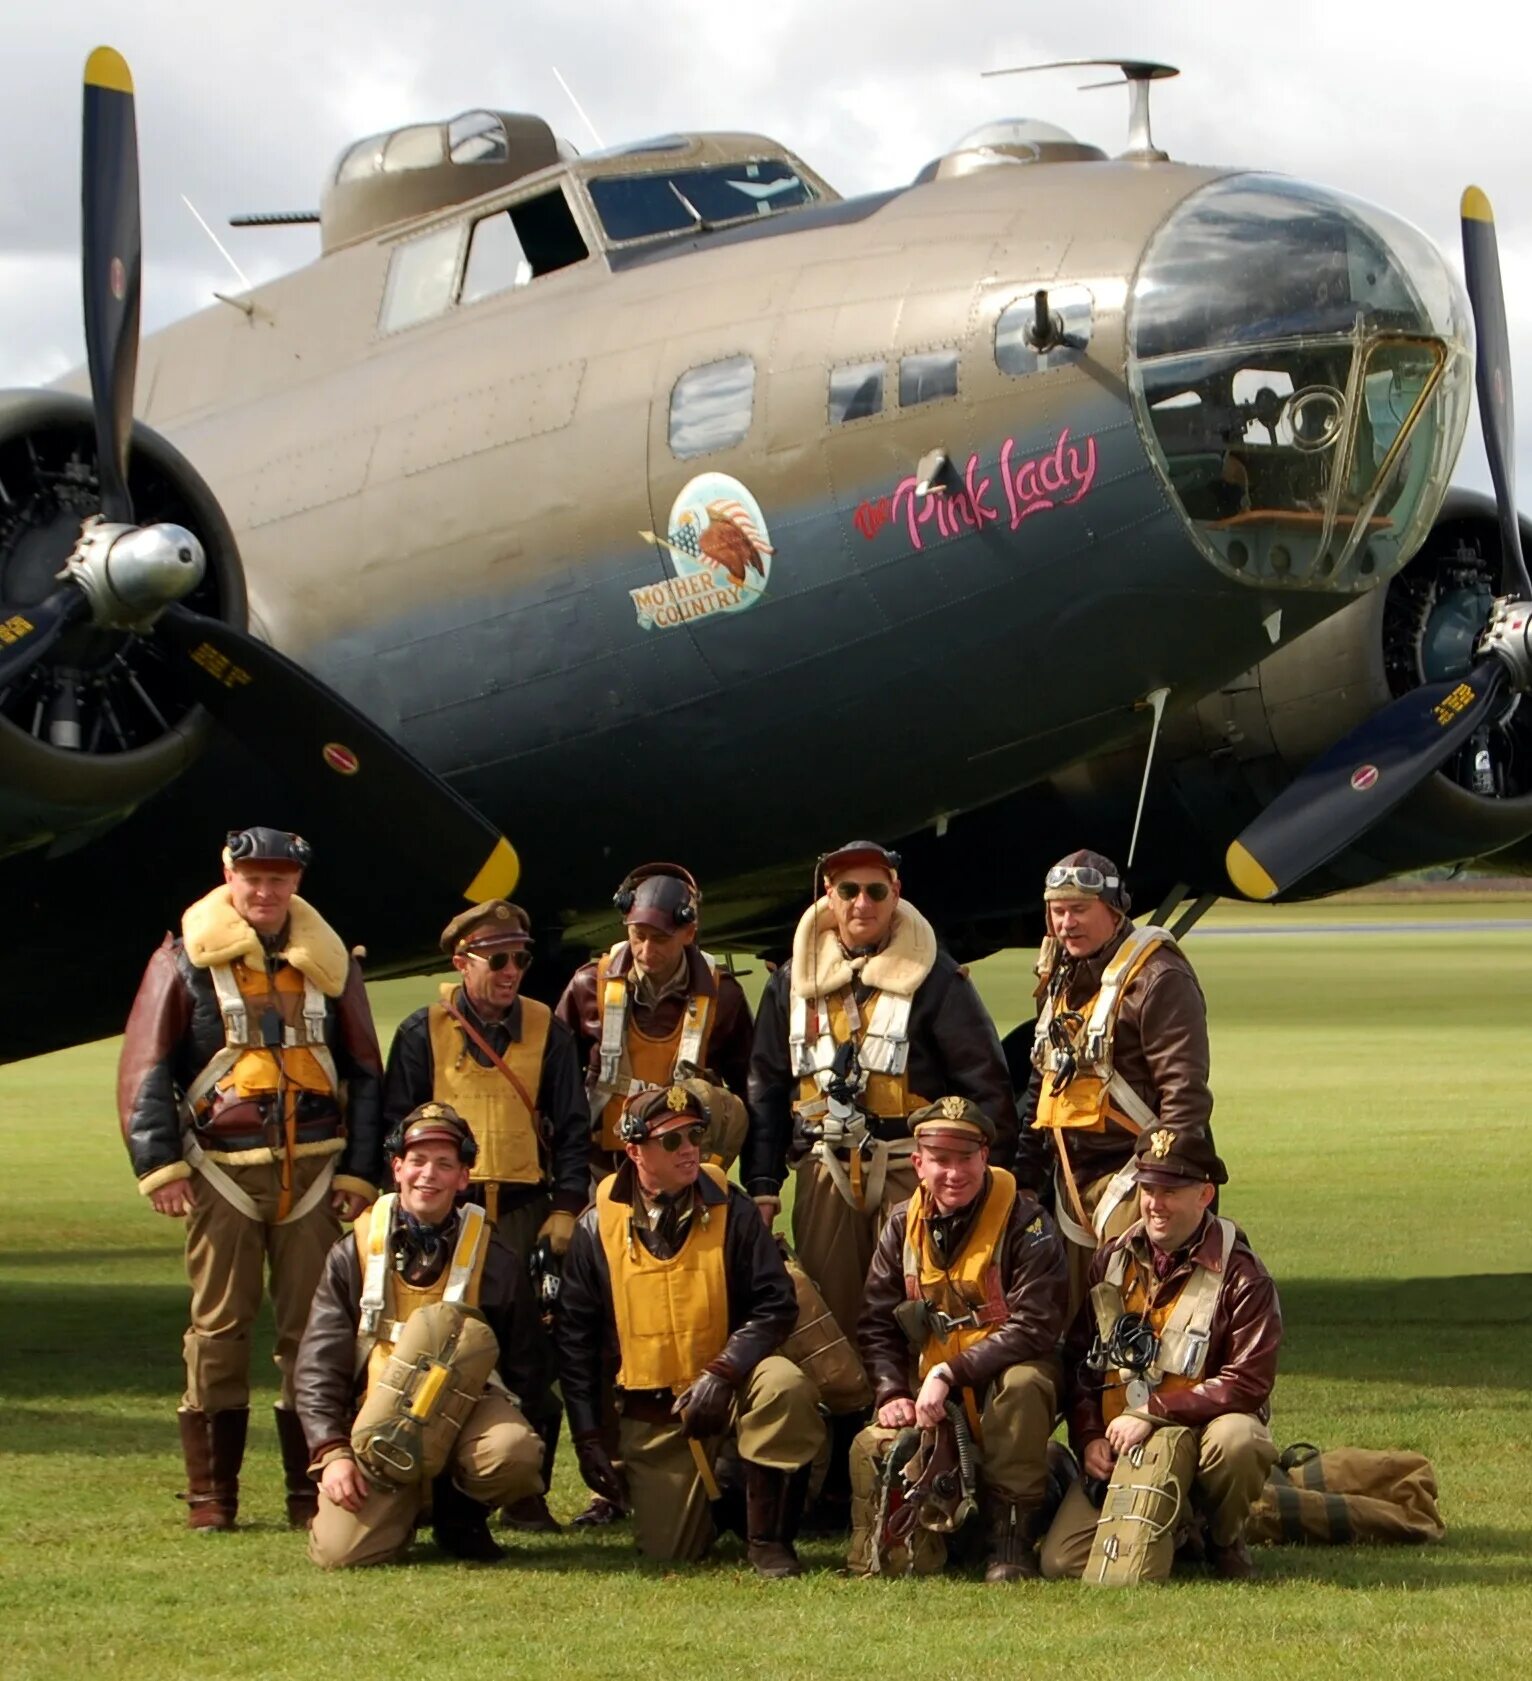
pixel 244 108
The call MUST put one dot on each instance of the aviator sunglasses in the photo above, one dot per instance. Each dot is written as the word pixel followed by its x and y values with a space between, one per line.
pixel 670 1142
pixel 877 891
pixel 497 960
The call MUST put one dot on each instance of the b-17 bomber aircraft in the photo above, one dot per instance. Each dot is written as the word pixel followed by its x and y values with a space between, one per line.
pixel 661 502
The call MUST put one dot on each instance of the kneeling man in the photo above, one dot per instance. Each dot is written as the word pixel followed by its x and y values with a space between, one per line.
pixel 385 1288
pixel 1181 1332
pixel 966 1302
pixel 673 1277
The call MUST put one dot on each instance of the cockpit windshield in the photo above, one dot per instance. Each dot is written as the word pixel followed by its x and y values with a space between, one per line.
pixel 683 200
pixel 1301 365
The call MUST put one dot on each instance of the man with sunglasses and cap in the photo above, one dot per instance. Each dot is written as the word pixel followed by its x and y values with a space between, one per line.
pixel 655 1006
pixel 1120 1048
pixel 967 1300
pixel 1171 1363
pixel 248 1088
pixel 503 1062
pixel 867 1024
pixel 421 1248
pixel 673 1277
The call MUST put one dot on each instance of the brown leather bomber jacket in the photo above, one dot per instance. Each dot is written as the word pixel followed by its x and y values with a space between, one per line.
pixel 1033 1273
pixel 174 1030
pixel 1241 1367
pixel 1160 1048
pixel 763 1307
pixel 728 1040
pixel 327 1388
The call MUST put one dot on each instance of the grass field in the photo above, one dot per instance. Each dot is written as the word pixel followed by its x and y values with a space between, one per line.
pixel 1372 1105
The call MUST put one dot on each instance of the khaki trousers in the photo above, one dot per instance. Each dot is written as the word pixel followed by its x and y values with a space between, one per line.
pixel 835 1241
pixel 496 1459
pixel 1015 1423
pixel 1220 1469
pixel 776 1424
pixel 1079 1257
pixel 227 1259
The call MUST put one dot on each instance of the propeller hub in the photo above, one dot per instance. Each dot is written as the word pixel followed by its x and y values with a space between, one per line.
pixel 1508 636
pixel 131 573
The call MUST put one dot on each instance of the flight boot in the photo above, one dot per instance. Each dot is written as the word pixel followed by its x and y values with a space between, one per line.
pixel 302 1492
pixel 1012 1542
pixel 461 1525
pixel 213 1446
pixel 773 1509
pixel 1232 1563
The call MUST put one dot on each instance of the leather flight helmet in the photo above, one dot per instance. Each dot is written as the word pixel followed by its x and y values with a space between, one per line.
pixel 664 895
pixel 260 845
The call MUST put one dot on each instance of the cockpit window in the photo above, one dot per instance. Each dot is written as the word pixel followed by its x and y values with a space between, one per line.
pixel 477 137
pixel 1300 364
pixel 683 200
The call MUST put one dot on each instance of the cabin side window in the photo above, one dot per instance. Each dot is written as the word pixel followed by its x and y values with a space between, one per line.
pixel 548 232
pixel 421 273
pixel 926 376
pixel 496 260
pixel 711 406
pixel 856 391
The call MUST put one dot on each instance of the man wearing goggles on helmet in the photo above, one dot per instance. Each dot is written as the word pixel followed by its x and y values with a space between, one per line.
pixel 509 1069
pixel 248 1089
pixel 673 1278
pixel 1120 1046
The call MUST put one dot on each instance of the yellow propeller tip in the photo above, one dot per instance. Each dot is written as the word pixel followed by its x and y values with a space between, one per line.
pixel 1476 205
pixel 1247 875
pixel 107 68
pixel 497 875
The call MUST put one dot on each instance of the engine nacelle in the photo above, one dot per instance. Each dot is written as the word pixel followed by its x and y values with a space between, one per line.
pixel 99 724
pixel 1220 762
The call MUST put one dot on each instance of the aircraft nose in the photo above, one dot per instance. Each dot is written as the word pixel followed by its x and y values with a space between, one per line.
pixel 1301 366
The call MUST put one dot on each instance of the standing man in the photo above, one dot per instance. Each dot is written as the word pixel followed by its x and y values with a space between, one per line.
pixel 656 1001
pixel 673 1277
pixel 1173 1360
pixel 248 1089
pixel 410 1251
pixel 966 1302
pixel 1120 1047
pixel 868 1023
pixel 509 1069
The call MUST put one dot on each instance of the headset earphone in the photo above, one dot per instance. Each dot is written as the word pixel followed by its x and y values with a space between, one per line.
pixel 683 914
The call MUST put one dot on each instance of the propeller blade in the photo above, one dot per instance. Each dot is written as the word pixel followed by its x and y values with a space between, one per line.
pixel 324 747
pixel 1359 780
pixel 27 633
pixel 111 255
pixel 1481 267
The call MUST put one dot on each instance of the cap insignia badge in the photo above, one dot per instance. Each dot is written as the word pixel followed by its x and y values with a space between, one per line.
pixel 1160 1143
pixel 676 1099
pixel 953 1108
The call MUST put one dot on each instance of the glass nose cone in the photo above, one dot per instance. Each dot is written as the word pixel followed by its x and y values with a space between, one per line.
pixel 1301 366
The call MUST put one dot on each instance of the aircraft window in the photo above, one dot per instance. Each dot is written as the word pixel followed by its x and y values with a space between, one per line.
pixel 856 391
pixel 363 159
pixel 710 407
pixel 496 261
pixel 548 232
pixel 414 148
pixel 477 137
pixel 1072 310
pixel 420 277
pixel 926 376
pixel 682 200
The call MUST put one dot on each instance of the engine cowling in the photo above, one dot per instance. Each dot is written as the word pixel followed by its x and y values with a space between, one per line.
pixel 1220 762
pixel 98 725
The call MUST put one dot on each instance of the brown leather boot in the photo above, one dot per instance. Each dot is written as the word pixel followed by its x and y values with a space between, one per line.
pixel 1233 1563
pixel 302 1494
pixel 213 1446
pixel 1012 1542
pixel 773 1508
pixel 461 1525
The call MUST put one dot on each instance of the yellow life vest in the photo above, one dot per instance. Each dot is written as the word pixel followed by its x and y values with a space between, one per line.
pixel 629 1059
pixel 1180 1318
pixel 247 1068
pixel 970 1288
pixel 886 1095
pixel 391 1299
pixel 672 1316
pixel 504 1128
pixel 1094 1095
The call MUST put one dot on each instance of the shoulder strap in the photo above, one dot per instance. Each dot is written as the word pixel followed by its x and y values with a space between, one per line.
pixel 1184 1342
pixel 467 1256
pixel 1126 962
pixel 612 999
pixel 231 1005
pixel 371 1233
